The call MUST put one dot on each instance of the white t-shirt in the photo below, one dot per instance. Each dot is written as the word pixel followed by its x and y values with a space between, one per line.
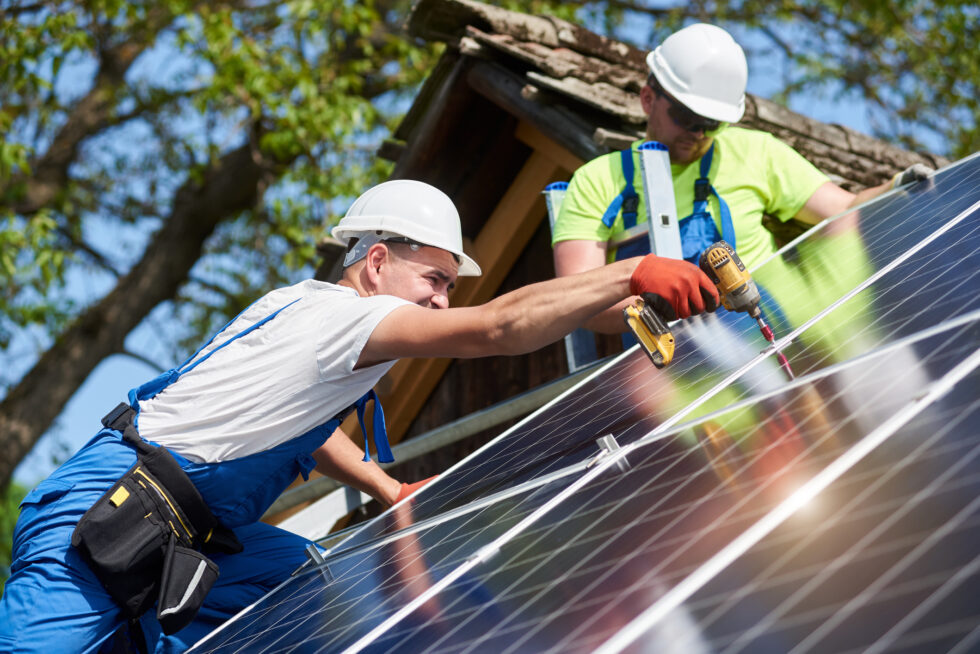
pixel 279 381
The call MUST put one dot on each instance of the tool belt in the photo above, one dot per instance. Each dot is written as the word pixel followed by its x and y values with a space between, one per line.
pixel 144 537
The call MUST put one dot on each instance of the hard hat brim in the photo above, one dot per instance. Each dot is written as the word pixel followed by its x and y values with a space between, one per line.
pixel 467 266
pixel 712 109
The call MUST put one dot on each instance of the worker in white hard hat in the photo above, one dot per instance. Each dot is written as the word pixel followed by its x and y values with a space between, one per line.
pixel 725 178
pixel 171 491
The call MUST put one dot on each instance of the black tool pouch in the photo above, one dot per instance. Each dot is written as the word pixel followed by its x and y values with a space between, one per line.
pixel 139 537
pixel 187 577
pixel 124 538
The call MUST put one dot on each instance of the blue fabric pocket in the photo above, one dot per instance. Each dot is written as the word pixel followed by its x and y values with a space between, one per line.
pixel 47 491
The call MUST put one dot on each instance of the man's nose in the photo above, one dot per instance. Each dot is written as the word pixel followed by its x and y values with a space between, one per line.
pixel 439 301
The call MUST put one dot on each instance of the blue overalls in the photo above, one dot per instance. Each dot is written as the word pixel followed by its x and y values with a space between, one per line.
pixel 53 602
pixel 697 231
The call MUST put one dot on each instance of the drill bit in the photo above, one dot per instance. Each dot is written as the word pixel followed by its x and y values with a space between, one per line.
pixel 768 335
pixel 737 290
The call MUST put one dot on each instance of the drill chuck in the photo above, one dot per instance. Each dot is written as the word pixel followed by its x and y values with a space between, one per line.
pixel 735 286
pixel 737 290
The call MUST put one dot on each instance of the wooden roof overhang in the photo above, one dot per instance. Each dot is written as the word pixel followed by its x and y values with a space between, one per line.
pixel 518 101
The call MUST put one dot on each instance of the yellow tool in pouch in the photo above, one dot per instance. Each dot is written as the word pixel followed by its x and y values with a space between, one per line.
pixel 119 496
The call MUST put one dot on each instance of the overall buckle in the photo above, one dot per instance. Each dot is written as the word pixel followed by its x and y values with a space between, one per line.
pixel 702 189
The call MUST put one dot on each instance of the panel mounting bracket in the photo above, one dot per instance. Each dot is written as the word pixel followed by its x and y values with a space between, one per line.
pixel 608 445
pixel 313 552
pixel 315 559
pixel 484 553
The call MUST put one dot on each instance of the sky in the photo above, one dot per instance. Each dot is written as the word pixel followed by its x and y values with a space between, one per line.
pixel 111 380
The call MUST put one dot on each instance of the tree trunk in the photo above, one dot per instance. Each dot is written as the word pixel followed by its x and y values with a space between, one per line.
pixel 234 183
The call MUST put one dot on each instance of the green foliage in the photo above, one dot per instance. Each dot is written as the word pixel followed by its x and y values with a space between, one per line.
pixel 29 264
pixel 316 85
pixel 10 499
pixel 913 62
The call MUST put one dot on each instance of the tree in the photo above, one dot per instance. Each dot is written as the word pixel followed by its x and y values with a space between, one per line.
pixel 221 129
pixel 911 63
pixel 212 140
pixel 217 136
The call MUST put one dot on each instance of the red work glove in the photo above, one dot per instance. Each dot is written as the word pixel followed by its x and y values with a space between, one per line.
pixel 408 489
pixel 676 288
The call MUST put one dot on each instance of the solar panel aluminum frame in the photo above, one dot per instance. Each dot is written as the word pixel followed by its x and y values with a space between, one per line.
pixel 658 434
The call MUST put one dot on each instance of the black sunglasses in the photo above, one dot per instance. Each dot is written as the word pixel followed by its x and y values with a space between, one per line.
pixel 684 117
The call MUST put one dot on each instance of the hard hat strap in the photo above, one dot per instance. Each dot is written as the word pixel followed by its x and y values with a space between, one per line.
pixel 364 242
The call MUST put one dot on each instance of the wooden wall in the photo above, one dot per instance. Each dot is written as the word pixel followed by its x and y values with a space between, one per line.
pixel 494 167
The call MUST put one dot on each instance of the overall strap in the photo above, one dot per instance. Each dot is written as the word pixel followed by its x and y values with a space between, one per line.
pixel 380 431
pixel 151 388
pixel 703 188
pixel 627 200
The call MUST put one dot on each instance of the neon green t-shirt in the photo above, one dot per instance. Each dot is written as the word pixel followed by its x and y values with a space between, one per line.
pixel 753 171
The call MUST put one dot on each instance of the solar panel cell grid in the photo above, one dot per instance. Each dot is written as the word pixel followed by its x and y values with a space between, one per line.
pixel 356 589
pixel 699 543
pixel 886 559
pixel 628 538
pixel 565 432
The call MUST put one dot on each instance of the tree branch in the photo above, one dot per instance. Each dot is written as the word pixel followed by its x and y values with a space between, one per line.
pixel 90 115
pixel 143 359
pixel 23 9
pixel 233 183
pixel 96 257
pixel 216 288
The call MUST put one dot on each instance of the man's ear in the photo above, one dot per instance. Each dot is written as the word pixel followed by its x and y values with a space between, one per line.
pixel 377 256
pixel 647 96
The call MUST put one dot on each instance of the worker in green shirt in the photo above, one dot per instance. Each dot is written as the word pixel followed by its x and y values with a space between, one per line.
pixel 725 178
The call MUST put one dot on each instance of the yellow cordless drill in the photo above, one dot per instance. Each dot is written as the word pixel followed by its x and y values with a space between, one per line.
pixel 738 293
pixel 651 331
pixel 737 290
pixel 735 286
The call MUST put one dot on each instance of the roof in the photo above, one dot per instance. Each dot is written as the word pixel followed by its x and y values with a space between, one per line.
pixel 581 89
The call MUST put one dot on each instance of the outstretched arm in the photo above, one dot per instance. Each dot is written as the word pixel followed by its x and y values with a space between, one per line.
pixel 535 315
pixel 829 199
pixel 573 257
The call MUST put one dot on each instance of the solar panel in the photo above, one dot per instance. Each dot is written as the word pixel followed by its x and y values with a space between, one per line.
pixel 892 567
pixel 728 519
pixel 358 587
pixel 629 538
pixel 629 535
pixel 566 430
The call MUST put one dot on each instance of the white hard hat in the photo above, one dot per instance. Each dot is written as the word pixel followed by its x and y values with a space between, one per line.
pixel 703 68
pixel 406 208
